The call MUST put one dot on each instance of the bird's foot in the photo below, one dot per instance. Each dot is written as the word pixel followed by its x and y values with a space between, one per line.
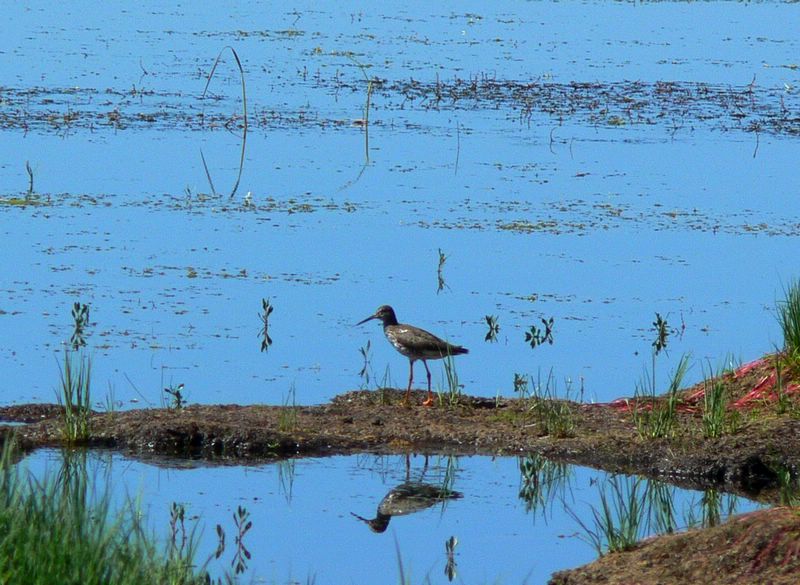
pixel 429 401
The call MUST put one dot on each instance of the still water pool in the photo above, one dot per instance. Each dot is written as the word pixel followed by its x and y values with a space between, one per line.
pixel 516 522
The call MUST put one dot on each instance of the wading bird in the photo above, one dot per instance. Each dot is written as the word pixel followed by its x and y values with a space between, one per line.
pixel 415 344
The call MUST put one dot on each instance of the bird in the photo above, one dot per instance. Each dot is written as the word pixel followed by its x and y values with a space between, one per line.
pixel 415 344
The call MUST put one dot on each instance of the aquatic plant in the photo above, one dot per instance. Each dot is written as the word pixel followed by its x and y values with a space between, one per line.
pixel 241 518
pixel 29 170
pixel 535 336
pixel 494 328
pixel 521 385
pixel 59 530
pixel 75 396
pixel 440 273
pixel 366 369
pixel 659 499
pixel 266 311
pixel 80 316
pixel 365 119
pixel 662 334
pixel 244 116
pixel 450 569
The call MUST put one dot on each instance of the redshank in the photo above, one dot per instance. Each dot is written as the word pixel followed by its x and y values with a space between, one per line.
pixel 415 344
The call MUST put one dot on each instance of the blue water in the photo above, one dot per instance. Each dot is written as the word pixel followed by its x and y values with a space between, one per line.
pixel 643 218
pixel 303 527
pixel 612 224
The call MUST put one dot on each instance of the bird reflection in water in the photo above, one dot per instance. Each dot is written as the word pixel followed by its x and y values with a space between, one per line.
pixel 411 496
pixel 407 498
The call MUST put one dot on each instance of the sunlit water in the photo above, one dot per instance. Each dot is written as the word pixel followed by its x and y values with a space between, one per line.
pixel 598 223
pixel 678 217
pixel 507 530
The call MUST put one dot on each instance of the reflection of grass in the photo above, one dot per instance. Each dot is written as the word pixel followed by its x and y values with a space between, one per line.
pixel 54 531
pixel 633 507
pixel 286 474
pixel 622 517
pixel 541 480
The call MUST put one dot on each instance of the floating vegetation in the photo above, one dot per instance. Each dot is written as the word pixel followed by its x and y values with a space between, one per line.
pixel 494 328
pixel 266 311
pixel 673 105
pixel 536 337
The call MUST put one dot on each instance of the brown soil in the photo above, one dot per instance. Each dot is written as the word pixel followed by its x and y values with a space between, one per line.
pixel 761 547
pixel 760 443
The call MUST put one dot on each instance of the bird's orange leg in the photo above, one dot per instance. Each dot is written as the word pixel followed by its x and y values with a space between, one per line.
pixel 429 400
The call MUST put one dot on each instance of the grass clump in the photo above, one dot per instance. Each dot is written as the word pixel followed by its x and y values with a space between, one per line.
pixel 656 417
pixel 452 394
pixel 716 397
pixel 57 530
pixel 789 318
pixel 288 414
pixel 75 396
pixel 554 415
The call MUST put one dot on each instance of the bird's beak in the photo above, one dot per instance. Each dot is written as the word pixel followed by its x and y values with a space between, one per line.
pixel 370 318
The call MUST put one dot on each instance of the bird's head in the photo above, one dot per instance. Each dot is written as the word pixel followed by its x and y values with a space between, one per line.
pixel 386 315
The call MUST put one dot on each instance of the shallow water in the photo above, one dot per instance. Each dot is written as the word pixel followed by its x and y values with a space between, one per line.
pixel 593 162
pixel 590 217
pixel 303 526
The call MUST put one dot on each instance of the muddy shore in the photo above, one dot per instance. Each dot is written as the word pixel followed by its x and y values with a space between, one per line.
pixel 748 460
